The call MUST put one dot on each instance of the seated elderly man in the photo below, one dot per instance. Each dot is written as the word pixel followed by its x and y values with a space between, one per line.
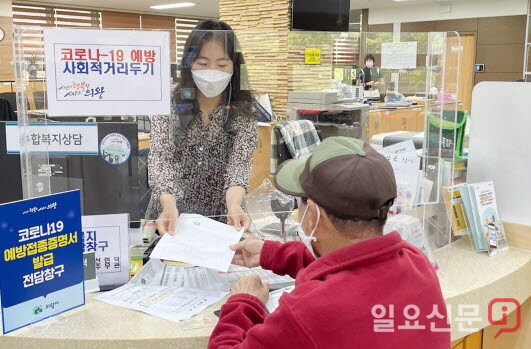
pixel 355 287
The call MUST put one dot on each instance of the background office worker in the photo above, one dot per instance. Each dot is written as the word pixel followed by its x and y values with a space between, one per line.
pixel 343 266
pixel 200 156
pixel 370 76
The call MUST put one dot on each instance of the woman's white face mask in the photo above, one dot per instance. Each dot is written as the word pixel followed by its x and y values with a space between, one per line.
pixel 211 82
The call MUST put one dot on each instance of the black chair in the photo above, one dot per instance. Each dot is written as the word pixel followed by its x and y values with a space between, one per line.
pixel 12 98
pixel 6 111
pixel 39 98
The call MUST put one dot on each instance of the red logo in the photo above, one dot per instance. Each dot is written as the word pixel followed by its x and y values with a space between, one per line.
pixel 503 305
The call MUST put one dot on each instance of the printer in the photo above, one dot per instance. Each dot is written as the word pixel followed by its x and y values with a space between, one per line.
pixel 334 112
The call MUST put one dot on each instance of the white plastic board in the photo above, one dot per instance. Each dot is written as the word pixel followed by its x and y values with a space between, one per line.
pixel 500 145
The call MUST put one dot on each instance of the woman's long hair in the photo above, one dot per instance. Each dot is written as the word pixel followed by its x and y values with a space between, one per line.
pixel 222 33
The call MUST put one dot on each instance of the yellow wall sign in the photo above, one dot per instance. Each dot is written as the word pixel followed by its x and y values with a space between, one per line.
pixel 312 56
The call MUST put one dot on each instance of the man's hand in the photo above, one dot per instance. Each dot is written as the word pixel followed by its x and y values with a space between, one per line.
pixel 247 252
pixel 252 285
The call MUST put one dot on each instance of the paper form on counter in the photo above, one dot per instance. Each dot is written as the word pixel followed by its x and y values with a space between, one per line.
pixel 200 241
pixel 274 297
pixel 170 303
pixel 157 273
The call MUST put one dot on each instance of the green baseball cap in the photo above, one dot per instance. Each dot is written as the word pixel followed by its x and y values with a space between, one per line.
pixel 345 176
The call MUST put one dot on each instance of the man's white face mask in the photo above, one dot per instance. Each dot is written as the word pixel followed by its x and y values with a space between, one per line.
pixel 211 82
pixel 305 239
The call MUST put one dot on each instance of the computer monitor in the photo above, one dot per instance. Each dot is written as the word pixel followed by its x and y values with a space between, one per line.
pixel 320 15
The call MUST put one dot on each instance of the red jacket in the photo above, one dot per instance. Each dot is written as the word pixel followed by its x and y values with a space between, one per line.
pixel 332 303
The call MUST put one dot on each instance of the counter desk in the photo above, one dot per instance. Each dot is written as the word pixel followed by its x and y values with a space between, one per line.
pixel 383 120
pixel 399 119
pixel 466 278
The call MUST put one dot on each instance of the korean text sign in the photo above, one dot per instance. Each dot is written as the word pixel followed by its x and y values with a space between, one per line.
pixel 42 258
pixel 108 237
pixel 55 138
pixel 107 72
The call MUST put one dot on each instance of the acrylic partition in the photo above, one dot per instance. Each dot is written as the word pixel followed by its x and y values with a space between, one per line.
pixel 117 114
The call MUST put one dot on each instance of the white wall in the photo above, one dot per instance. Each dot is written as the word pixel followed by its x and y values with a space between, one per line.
pixel 5 8
pixel 459 9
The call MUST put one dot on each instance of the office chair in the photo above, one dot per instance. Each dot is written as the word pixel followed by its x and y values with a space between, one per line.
pixel 12 98
pixel 6 111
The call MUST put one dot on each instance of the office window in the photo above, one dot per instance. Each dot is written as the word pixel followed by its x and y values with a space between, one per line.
pixel 345 51
pixel 28 17
pixel 183 28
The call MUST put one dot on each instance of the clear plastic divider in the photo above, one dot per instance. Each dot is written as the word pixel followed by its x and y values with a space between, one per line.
pixel 152 166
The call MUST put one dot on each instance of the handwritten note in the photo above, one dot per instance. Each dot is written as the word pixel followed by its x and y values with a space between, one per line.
pixel 406 168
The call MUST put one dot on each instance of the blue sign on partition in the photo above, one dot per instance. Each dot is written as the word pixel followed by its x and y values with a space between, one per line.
pixel 42 259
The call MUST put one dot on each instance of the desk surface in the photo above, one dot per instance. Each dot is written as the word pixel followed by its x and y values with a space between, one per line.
pixel 381 106
pixel 469 277
pixel 466 278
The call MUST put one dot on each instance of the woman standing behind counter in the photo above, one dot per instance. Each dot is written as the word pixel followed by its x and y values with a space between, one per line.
pixel 370 77
pixel 200 157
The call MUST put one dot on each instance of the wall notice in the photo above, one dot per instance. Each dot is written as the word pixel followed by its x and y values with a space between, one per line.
pixel 107 72
pixel 399 55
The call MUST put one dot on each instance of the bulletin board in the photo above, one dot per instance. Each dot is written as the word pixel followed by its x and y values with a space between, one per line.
pixel 399 55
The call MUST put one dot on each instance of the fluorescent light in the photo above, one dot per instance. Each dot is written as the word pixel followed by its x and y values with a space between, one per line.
pixel 177 5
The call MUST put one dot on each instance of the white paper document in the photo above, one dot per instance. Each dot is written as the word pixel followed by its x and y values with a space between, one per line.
pixel 199 241
pixel 157 273
pixel 274 297
pixel 406 168
pixel 399 55
pixel 170 303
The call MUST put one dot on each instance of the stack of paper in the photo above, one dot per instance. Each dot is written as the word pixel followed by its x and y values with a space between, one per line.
pixel 486 227
pixel 199 241
pixel 157 273
pixel 176 292
pixel 274 298
pixel 170 303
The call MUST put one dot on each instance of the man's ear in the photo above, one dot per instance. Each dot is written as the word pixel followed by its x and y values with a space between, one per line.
pixel 311 214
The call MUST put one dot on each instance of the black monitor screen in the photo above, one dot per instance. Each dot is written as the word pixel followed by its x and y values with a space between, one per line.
pixel 320 15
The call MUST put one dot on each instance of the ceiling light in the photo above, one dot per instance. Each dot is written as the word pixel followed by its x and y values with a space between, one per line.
pixel 176 5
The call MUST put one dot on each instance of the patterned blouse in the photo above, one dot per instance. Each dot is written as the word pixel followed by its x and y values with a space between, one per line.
pixel 198 163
